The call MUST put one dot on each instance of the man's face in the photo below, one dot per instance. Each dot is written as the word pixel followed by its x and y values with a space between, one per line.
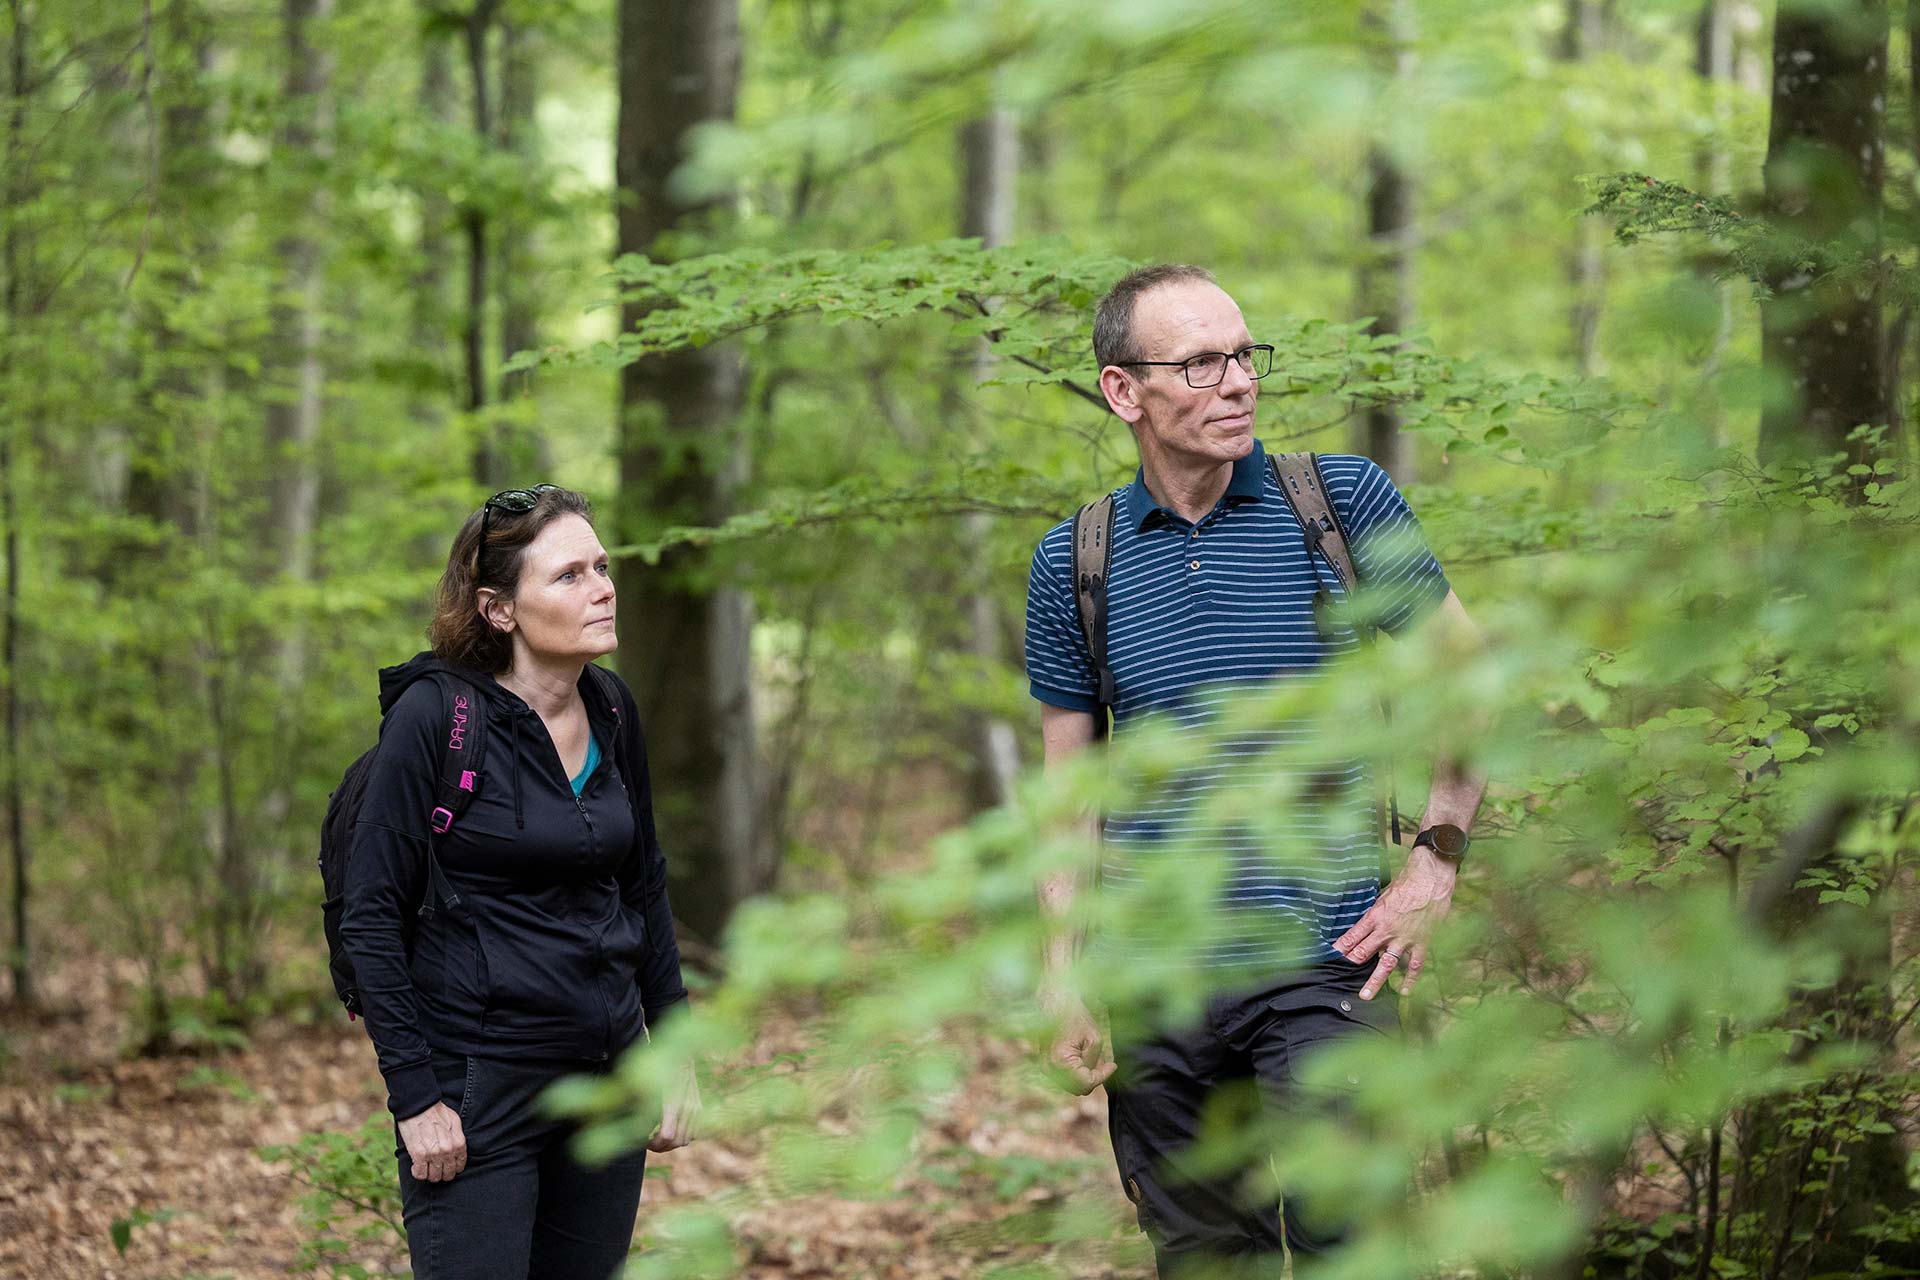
pixel 1174 420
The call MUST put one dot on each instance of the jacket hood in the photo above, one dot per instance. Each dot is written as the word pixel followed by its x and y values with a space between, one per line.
pixel 394 680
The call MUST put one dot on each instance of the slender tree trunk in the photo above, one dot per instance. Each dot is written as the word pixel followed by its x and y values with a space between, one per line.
pixel 293 422
pixel 990 159
pixel 519 292
pixel 294 410
pixel 428 288
pixel 20 959
pixel 181 166
pixel 1714 42
pixel 1714 61
pixel 1749 54
pixel 1821 336
pixel 685 639
pixel 1585 34
pixel 1383 285
pixel 166 480
pixel 488 466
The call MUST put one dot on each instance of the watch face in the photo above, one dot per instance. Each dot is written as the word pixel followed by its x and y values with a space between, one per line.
pixel 1448 839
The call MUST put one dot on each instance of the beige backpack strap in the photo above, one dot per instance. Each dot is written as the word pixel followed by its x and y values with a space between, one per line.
pixel 1299 477
pixel 1092 561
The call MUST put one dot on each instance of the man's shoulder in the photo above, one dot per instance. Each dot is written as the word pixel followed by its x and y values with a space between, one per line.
pixel 1346 466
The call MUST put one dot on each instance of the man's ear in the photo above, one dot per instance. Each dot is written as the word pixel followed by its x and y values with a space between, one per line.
pixel 1122 394
pixel 496 611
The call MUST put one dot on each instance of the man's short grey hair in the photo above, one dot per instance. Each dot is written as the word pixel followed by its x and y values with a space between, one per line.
pixel 1113 318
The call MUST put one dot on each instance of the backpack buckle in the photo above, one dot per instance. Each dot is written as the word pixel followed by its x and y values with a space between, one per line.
pixel 442 820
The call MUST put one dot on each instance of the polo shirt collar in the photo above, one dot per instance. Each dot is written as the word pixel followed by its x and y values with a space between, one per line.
pixel 1246 485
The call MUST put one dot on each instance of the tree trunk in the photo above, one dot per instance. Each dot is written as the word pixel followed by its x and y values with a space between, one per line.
pixel 488 466
pixel 990 160
pixel 1715 45
pixel 294 407
pixel 1585 33
pixel 166 480
pixel 519 294
pixel 13 250
pixel 1821 337
pixel 1749 58
pixel 686 634
pixel 1383 285
pixel 428 288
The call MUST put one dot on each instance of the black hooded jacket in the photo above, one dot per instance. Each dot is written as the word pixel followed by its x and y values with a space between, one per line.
pixel 563 944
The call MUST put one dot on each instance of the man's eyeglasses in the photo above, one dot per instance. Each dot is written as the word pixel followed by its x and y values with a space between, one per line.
pixel 513 502
pixel 1209 368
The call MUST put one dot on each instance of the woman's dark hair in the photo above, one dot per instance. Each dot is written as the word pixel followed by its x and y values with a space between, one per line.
pixel 458 633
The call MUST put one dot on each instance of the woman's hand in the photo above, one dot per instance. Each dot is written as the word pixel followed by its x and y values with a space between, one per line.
pixel 436 1143
pixel 680 1117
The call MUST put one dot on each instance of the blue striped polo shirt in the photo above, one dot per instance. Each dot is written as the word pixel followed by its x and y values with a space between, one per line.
pixel 1198 616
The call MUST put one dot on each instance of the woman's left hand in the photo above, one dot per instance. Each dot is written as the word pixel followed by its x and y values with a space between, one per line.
pixel 680 1117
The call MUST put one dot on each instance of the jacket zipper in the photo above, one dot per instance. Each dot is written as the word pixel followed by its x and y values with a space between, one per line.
pixel 599 945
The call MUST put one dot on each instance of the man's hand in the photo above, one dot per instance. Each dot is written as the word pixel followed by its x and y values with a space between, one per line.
pixel 435 1143
pixel 679 1116
pixel 1399 923
pixel 1079 1055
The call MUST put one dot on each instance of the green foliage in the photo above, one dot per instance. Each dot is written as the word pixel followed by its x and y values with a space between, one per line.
pixel 121 1229
pixel 351 1208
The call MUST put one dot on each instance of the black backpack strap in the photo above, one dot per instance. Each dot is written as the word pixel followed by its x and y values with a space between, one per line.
pixel 1092 563
pixel 1306 492
pixel 463 748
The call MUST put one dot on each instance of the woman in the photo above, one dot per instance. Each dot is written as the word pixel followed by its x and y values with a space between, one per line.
pixel 545 946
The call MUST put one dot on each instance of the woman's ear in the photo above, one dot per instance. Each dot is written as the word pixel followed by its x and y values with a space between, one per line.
pixel 495 611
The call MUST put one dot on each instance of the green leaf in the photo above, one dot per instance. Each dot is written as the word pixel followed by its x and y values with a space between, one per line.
pixel 1791 744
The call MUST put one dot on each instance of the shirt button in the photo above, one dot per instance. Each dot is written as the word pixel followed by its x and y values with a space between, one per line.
pixel 1346 1006
pixel 1193 564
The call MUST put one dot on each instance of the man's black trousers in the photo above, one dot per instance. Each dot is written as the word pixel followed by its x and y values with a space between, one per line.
pixel 1245 1054
pixel 524 1208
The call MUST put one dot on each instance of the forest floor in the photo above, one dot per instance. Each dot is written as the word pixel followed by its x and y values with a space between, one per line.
pixel 167 1147
pixel 85 1144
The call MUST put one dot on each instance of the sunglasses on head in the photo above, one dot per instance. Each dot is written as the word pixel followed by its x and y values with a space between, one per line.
pixel 513 502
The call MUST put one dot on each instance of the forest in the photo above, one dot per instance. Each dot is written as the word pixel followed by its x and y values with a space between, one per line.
pixel 1624 295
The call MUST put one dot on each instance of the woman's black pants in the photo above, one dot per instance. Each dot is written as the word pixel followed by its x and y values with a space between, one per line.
pixel 523 1208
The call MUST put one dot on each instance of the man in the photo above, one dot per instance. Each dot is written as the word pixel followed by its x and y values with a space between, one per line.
pixel 1209 602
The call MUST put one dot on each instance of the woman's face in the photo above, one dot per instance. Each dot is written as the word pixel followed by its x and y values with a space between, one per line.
pixel 563 607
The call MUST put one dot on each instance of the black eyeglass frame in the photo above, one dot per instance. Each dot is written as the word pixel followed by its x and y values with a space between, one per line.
pixel 1186 366
pixel 513 501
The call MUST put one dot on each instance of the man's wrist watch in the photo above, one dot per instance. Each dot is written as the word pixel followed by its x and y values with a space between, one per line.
pixel 1444 839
